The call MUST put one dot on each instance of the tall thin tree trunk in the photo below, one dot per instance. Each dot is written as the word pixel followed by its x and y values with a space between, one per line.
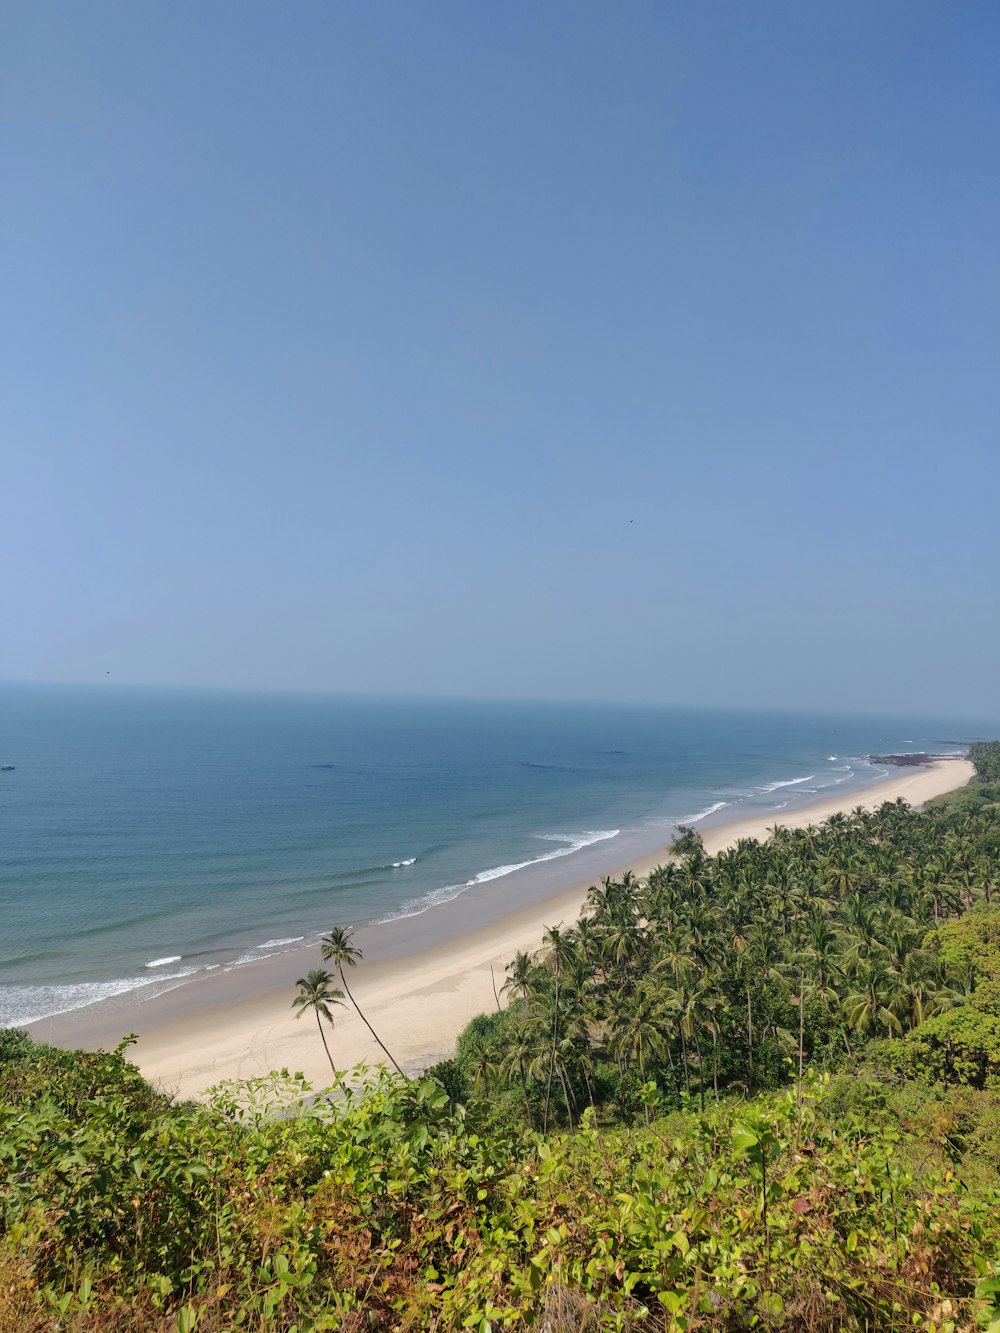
pixel 763 1196
pixel 572 1090
pixel 343 982
pixel 524 1089
pixel 552 1055
pixel 750 1036
pixel 715 1062
pixel 562 1079
pixel 333 1067
pixel 590 1090
pixel 701 1070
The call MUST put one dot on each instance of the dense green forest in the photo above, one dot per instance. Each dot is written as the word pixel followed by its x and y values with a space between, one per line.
pixel 734 972
pixel 760 1090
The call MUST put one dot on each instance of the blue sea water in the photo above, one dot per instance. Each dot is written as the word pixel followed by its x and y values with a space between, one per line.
pixel 147 835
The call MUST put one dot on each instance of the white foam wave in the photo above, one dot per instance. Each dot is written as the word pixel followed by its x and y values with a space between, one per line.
pixel 828 781
pixel 831 757
pixel 397 865
pixel 703 814
pixel 26 1004
pixel 791 782
pixel 254 954
pixel 576 842
pixel 417 906
pixel 162 962
pixel 448 892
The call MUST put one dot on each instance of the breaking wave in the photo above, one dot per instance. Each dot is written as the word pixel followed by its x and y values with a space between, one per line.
pixel 20 1004
pixel 703 814
pixel 448 892
pixel 790 782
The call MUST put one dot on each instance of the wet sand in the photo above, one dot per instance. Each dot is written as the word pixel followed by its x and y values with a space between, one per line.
pixel 423 978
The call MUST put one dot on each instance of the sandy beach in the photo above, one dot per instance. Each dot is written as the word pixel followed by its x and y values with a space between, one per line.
pixel 419 993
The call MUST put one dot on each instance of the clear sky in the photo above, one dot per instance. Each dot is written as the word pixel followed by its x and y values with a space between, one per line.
pixel 586 350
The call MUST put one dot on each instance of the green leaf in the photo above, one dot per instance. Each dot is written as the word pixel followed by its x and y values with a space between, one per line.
pixel 744 1138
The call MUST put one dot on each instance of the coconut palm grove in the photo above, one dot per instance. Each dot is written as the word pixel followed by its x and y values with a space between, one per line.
pixel 760 1089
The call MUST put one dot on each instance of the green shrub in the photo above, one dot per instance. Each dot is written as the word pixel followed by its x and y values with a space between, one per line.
pixel 266 1210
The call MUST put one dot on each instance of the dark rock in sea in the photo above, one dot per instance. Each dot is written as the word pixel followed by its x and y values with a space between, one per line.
pixel 917 760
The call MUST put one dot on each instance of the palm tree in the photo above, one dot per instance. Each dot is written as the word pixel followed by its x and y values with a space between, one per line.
pixel 873 1002
pixel 578 1023
pixel 588 940
pixel 315 993
pixel 560 948
pixel 638 1031
pixel 520 976
pixel 522 1051
pixel 484 1057
pixel 831 919
pixel 337 945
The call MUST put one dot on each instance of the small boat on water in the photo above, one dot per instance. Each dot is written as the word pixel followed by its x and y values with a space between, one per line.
pixel 6 768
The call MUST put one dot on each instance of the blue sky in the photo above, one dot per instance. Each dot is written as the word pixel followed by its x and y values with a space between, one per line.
pixel 561 350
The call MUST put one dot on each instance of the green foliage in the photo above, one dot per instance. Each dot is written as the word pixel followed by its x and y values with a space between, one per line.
pixel 961 1046
pixel 985 756
pixel 379 1207
pixel 688 842
pixel 971 944
pixel 678 1007
pixel 976 797
pixel 730 973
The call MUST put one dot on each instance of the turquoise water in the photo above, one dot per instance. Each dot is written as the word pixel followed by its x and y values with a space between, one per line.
pixel 147 835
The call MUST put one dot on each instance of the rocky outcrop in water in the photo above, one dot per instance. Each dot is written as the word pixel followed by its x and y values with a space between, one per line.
pixel 908 760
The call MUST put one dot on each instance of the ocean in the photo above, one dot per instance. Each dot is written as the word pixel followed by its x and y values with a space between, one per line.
pixel 147 835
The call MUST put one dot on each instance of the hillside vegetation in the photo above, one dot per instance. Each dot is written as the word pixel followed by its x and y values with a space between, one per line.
pixel 737 971
pixel 760 1091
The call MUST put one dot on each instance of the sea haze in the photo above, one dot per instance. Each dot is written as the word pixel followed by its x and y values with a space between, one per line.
pixel 148 835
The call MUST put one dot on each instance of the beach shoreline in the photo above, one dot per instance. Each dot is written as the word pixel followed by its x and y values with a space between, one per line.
pixel 418 992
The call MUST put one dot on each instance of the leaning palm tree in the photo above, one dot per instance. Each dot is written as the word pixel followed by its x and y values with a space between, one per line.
pixel 316 993
pixel 338 947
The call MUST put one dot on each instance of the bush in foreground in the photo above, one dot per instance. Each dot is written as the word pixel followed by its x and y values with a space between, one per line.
pixel 268 1209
